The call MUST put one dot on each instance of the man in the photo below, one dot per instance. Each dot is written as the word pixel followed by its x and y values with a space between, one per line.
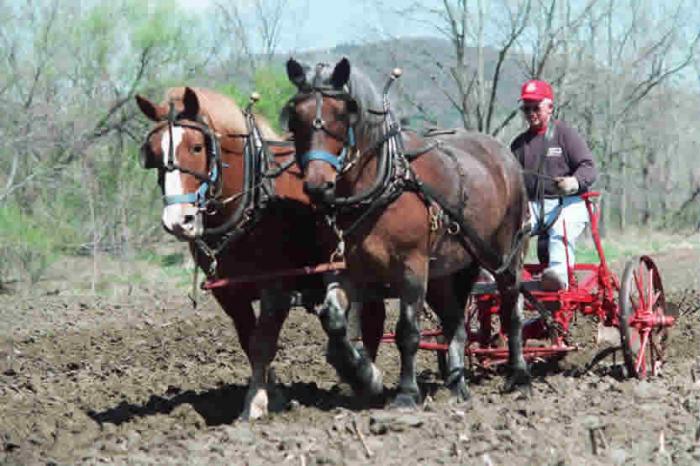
pixel 558 167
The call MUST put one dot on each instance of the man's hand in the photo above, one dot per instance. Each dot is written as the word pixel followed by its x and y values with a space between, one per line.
pixel 567 185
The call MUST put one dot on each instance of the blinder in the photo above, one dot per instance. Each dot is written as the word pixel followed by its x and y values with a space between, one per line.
pixel 147 158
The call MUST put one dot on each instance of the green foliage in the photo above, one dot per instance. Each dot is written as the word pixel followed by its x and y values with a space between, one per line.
pixel 586 252
pixel 171 265
pixel 175 259
pixel 26 244
pixel 99 27
pixel 235 92
pixel 156 23
pixel 274 88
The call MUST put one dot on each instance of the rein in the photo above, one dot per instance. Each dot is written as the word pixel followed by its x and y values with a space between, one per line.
pixel 539 187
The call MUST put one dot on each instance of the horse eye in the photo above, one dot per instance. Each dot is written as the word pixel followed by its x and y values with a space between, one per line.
pixel 197 148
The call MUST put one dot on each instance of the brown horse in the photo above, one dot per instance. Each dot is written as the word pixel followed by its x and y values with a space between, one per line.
pixel 412 209
pixel 241 207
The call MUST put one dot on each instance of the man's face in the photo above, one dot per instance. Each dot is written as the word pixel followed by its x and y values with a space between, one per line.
pixel 537 112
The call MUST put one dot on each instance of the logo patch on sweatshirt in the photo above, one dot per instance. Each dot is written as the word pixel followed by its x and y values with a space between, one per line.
pixel 554 152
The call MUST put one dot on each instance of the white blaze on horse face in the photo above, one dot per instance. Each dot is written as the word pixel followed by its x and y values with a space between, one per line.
pixel 174 214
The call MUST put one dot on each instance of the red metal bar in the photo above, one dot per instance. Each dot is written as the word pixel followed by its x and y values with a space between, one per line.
pixel 391 337
pixel 594 215
pixel 531 351
pixel 569 269
pixel 527 350
pixel 307 270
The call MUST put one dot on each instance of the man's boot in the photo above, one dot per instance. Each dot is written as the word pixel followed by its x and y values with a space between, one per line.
pixel 551 281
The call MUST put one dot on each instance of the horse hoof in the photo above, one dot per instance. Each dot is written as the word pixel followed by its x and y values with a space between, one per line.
pixel 404 402
pixel 457 385
pixel 459 393
pixel 518 380
pixel 256 406
pixel 375 387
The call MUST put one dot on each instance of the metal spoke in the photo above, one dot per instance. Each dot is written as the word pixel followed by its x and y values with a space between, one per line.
pixel 650 290
pixel 635 305
pixel 640 366
pixel 654 299
pixel 640 288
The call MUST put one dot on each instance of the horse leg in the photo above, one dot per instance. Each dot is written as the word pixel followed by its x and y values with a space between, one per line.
pixel 412 295
pixel 450 294
pixel 511 314
pixel 274 308
pixel 239 308
pixel 372 319
pixel 365 319
pixel 351 363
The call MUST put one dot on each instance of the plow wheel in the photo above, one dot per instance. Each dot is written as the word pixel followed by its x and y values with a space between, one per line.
pixel 644 324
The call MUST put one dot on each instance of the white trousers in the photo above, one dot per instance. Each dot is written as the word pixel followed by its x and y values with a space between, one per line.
pixel 575 216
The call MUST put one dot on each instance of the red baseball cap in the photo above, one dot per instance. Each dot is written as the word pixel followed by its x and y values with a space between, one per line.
pixel 535 89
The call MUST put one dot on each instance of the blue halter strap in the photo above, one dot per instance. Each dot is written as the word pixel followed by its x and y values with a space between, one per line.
pixel 336 161
pixel 198 198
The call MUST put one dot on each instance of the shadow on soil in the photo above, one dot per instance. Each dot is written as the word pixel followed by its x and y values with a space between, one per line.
pixel 224 405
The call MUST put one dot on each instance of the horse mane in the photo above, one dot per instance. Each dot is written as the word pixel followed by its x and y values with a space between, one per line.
pixel 224 115
pixel 369 126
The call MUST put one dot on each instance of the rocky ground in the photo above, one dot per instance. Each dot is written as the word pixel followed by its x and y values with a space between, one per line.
pixel 144 379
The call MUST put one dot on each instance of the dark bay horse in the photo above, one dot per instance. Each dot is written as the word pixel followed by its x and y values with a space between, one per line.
pixel 238 200
pixel 422 214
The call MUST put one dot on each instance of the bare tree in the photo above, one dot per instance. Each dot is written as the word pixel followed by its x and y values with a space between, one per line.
pixel 488 37
pixel 640 57
pixel 256 30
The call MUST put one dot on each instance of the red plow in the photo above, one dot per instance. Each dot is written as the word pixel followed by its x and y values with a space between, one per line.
pixel 633 305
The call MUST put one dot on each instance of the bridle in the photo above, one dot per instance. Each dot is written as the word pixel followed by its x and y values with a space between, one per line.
pixel 211 182
pixel 387 149
pixel 320 91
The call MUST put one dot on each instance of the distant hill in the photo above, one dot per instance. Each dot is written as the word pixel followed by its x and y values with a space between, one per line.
pixel 419 95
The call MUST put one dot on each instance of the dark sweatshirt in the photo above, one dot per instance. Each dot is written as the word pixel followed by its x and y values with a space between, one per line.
pixel 567 155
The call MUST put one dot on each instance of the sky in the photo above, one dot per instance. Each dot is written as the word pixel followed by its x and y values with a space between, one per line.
pixel 320 24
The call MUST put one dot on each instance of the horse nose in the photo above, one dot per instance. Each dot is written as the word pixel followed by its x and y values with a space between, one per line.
pixel 323 192
pixel 188 222
pixel 185 228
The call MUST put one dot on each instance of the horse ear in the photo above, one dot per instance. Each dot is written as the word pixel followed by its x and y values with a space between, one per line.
pixel 341 73
pixel 295 72
pixel 191 103
pixel 148 108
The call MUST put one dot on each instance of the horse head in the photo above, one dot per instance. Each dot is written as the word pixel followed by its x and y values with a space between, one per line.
pixel 322 116
pixel 185 149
